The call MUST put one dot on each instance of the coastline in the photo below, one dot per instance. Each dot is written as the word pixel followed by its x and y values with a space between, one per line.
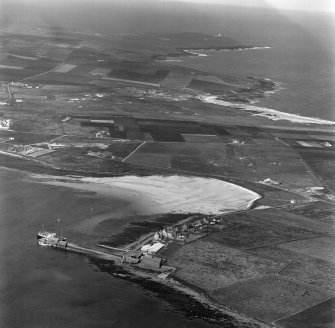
pixel 200 297
pixel 272 114
pixel 158 194
pixel 269 113
pixel 193 51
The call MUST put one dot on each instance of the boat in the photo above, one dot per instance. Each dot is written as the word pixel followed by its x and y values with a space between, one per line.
pixel 46 234
pixel 43 242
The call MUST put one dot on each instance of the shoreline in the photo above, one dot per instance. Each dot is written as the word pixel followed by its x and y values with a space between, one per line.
pixel 269 113
pixel 183 287
pixel 192 51
pixel 272 114
pixel 159 194
pixel 195 52
pixel 197 295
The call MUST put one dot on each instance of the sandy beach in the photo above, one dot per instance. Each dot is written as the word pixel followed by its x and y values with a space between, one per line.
pixel 271 114
pixel 167 194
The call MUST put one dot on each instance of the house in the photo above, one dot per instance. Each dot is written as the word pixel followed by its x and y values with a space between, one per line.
pixel 156 236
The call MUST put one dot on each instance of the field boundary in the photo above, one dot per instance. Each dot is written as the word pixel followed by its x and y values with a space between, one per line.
pixel 135 150
pixel 303 310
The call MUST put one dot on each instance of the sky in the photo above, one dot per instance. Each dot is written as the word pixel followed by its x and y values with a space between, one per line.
pixel 314 5
pixel 310 5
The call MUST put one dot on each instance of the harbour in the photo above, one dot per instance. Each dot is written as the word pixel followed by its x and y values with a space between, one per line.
pixel 44 283
pixel 142 253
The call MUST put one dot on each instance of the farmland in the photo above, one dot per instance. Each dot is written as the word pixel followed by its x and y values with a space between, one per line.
pixel 89 105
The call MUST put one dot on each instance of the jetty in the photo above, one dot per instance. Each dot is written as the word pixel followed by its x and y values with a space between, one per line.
pixel 133 257
pixel 61 244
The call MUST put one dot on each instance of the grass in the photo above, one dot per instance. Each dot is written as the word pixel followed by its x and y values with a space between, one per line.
pixel 209 86
pixel 154 77
pixel 237 265
pixel 318 212
pixel 321 162
pixel 318 316
pixel 197 138
pixel 26 138
pixel 310 270
pixel 156 160
pixel 211 265
pixel 176 80
pixel 257 233
pixel 205 153
pixel 270 298
pixel 321 248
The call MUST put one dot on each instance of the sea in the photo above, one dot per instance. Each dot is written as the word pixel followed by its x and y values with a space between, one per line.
pixel 41 287
pixel 296 50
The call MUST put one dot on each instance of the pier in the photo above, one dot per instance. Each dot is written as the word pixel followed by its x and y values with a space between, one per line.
pixel 70 247
pixel 134 257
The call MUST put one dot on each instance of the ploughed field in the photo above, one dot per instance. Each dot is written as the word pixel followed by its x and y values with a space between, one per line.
pixel 102 106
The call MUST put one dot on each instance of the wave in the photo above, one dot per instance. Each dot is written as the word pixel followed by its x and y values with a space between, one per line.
pixel 269 113
pixel 246 49
pixel 209 50
pixel 171 60
pixel 197 54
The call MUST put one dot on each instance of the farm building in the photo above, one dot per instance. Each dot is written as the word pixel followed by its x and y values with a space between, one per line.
pixel 132 257
pixel 152 249
pixel 151 263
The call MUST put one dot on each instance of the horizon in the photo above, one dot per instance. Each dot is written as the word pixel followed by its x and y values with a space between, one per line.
pixel 304 5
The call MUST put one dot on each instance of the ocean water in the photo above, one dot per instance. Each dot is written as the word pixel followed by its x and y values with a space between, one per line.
pixel 42 287
pixel 302 44
pixel 301 57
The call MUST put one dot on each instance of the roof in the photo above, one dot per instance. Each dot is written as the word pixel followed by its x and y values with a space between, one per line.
pixel 152 248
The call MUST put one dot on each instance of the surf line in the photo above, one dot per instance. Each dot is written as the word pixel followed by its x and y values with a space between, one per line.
pixel 271 114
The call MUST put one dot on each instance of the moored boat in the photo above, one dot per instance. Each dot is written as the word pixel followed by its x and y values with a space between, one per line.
pixel 46 234
pixel 43 242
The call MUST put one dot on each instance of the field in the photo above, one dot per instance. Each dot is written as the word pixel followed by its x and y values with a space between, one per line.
pixel 207 86
pixel 321 248
pixel 244 161
pixel 322 164
pixel 267 263
pixel 309 270
pixel 320 315
pixel 64 68
pixel 256 234
pixel 271 298
pixel 26 138
pixel 217 266
pixel 320 213
pixel 110 106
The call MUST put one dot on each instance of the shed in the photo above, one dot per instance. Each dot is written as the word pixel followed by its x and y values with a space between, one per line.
pixel 151 262
pixel 151 249
pixel 132 257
